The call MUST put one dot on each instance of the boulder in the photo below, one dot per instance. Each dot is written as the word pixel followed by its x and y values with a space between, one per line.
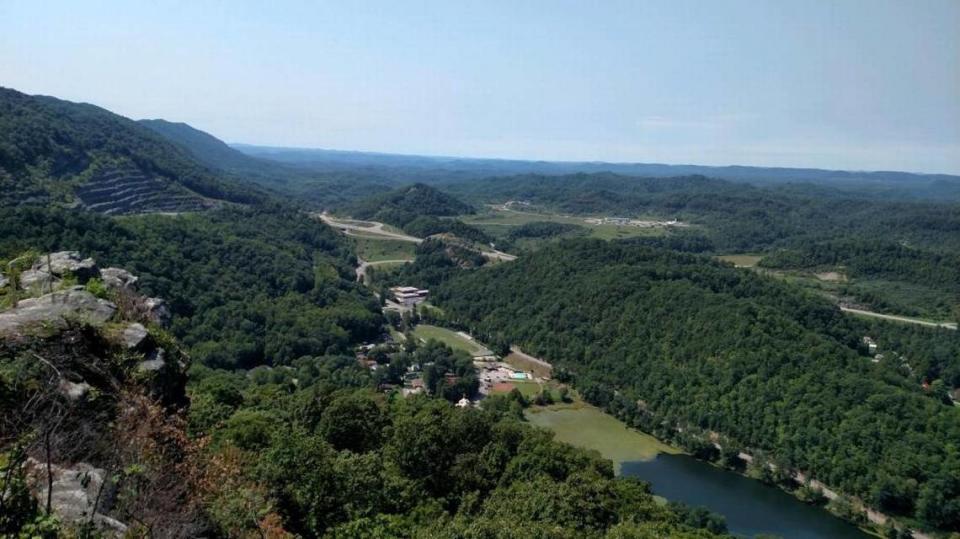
pixel 119 279
pixel 157 311
pixel 74 494
pixel 37 279
pixel 154 362
pixel 73 390
pixel 134 336
pixel 3 281
pixel 54 310
pixel 63 263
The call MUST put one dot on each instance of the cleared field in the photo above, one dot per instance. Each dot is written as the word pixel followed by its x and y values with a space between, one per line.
pixel 520 362
pixel 590 428
pixel 376 250
pixel 741 261
pixel 450 338
pixel 528 389
pixel 498 222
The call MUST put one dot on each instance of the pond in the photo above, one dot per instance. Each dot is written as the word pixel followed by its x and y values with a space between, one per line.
pixel 750 507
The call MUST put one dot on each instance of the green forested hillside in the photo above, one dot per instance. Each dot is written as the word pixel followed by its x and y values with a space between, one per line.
pixel 54 151
pixel 311 449
pixel 733 216
pixel 419 210
pixel 246 287
pixel 418 199
pixel 692 344
pixel 317 189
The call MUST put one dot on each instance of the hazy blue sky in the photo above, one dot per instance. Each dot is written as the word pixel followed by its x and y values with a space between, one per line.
pixel 867 84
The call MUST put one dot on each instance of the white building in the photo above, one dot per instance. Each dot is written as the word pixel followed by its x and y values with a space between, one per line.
pixel 408 296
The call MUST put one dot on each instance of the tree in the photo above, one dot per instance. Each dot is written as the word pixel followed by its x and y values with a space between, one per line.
pixel 354 422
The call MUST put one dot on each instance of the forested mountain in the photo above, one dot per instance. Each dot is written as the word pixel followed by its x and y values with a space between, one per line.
pixel 419 210
pixel 58 152
pixel 434 170
pixel 246 287
pixel 206 148
pixel 733 216
pixel 692 347
pixel 317 189
pixel 417 199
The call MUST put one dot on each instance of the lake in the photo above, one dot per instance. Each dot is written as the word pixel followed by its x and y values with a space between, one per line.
pixel 749 506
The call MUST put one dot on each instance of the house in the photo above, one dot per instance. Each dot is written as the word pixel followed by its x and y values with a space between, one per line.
pixel 408 296
pixel 871 345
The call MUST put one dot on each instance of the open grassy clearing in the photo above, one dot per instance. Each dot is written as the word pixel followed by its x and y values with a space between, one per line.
pixel 522 363
pixel 497 222
pixel 450 338
pixel 588 427
pixel 742 261
pixel 375 250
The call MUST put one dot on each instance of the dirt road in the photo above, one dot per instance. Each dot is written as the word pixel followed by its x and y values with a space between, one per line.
pixel 947 325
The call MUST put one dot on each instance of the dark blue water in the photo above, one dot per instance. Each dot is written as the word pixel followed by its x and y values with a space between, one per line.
pixel 750 507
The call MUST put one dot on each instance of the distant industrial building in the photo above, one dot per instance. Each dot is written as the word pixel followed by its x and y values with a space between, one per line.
pixel 408 296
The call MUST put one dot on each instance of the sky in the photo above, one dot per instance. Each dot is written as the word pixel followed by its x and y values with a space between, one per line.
pixel 845 84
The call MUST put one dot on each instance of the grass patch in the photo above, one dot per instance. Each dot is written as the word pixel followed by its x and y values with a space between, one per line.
pixel 451 339
pixel 528 389
pixel 741 261
pixel 498 222
pixel 376 250
pixel 590 428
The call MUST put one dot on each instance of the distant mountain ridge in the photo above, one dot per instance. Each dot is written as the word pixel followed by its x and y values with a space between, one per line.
pixel 206 148
pixel 75 154
pixel 437 169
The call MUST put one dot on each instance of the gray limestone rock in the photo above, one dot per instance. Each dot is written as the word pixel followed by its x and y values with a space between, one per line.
pixel 74 494
pixel 37 279
pixel 157 310
pixel 54 309
pixel 120 279
pixel 154 362
pixel 134 336
pixel 68 262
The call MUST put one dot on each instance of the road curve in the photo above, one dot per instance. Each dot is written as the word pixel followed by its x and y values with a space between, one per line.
pixel 375 230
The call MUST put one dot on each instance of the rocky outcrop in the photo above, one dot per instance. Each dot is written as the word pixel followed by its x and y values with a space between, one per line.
pixel 50 269
pixel 55 310
pixel 75 493
pixel 157 311
pixel 68 262
pixel 103 393
pixel 119 279
pixel 134 336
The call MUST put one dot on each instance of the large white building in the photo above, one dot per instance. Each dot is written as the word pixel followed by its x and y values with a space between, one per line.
pixel 408 296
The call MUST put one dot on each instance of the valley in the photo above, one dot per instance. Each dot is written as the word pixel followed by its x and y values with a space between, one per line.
pixel 459 349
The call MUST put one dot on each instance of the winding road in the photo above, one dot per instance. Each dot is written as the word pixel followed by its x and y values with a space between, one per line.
pixel 947 325
pixel 375 228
